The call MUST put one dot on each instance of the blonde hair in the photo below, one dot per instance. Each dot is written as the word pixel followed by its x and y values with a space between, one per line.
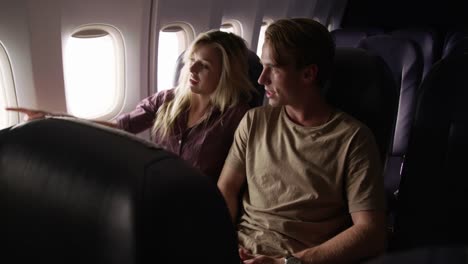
pixel 233 87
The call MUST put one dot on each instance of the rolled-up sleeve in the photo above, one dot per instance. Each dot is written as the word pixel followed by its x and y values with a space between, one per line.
pixel 237 154
pixel 364 182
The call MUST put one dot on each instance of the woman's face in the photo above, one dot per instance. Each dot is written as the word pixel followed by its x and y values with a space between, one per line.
pixel 205 69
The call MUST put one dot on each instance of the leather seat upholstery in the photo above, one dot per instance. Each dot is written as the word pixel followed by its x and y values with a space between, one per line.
pixel 434 188
pixel 73 192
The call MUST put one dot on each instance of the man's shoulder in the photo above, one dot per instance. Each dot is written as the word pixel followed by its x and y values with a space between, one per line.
pixel 265 111
pixel 352 124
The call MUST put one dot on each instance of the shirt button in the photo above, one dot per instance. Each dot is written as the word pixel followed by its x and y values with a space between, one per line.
pixel 180 141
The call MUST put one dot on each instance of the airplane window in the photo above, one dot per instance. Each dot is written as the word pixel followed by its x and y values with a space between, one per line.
pixel 227 28
pixel 167 57
pixel 94 72
pixel 261 38
pixel 172 42
pixel 233 26
pixel 7 91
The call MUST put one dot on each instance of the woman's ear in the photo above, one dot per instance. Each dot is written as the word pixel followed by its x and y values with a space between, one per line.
pixel 310 73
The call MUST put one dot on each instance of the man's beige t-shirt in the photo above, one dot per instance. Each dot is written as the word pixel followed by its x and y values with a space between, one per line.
pixel 302 182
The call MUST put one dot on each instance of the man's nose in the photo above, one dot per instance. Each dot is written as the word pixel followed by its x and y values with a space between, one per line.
pixel 263 79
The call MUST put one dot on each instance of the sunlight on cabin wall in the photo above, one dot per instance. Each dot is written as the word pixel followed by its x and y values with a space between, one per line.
pixel 261 39
pixel 227 28
pixel 7 91
pixel 3 114
pixel 168 51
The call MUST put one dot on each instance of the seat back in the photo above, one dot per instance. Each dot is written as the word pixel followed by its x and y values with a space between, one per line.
pixel 456 42
pixel 72 192
pixel 434 188
pixel 362 85
pixel 405 62
pixel 429 255
pixel 347 38
pixel 428 42
pixel 350 37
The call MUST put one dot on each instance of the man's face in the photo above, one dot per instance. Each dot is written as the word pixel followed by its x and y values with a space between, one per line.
pixel 282 83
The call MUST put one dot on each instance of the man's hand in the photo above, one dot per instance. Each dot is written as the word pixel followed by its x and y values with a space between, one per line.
pixel 248 258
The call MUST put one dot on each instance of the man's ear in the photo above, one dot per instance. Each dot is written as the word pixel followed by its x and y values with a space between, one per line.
pixel 310 73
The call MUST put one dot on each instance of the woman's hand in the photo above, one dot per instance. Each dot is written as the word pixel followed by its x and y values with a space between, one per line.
pixel 30 114
pixel 33 114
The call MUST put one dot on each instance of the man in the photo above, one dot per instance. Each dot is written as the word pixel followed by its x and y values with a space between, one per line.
pixel 314 189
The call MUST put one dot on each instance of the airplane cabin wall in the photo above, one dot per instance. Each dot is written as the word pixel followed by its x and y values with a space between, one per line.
pixel 323 11
pixel 14 36
pixel 250 13
pixel 35 34
pixel 276 9
pixel 132 19
pixel 201 15
pixel 46 55
pixel 336 14
pixel 302 8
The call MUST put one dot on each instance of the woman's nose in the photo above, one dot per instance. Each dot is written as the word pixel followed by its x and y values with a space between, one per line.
pixel 194 68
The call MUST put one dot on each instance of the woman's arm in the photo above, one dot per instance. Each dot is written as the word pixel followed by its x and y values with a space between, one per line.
pixel 33 114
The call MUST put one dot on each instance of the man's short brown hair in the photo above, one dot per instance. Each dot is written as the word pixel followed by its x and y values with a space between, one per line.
pixel 302 41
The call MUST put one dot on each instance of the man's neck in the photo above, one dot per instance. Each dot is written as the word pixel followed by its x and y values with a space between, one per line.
pixel 310 114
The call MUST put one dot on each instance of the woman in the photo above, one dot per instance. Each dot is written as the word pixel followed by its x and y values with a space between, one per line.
pixel 197 119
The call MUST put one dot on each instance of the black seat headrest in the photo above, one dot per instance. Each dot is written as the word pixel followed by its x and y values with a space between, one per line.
pixel 72 192
pixel 362 85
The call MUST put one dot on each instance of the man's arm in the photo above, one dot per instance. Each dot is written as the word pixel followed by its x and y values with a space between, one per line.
pixel 365 238
pixel 230 183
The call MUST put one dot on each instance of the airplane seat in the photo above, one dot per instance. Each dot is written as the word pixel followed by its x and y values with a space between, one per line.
pixel 347 38
pixel 255 69
pixel 425 255
pixel 74 192
pixel 362 85
pixel 427 40
pixel 456 42
pixel 350 37
pixel 405 62
pixel 431 206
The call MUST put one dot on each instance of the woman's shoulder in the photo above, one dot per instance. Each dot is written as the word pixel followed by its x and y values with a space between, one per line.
pixel 232 114
pixel 241 107
pixel 165 95
pixel 161 97
pixel 233 109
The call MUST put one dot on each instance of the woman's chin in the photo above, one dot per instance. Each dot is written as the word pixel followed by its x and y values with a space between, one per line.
pixel 194 89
